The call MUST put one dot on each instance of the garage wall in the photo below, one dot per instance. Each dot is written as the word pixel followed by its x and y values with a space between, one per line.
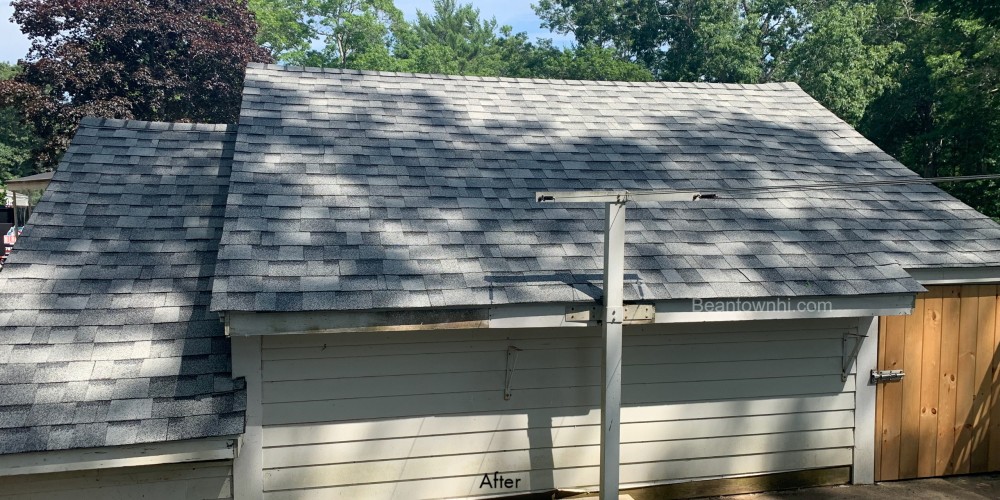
pixel 423 415
pixel 204 480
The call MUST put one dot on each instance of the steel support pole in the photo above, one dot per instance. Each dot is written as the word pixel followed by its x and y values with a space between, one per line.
pixel 611 359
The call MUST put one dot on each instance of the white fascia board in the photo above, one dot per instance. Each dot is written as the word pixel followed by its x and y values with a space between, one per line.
pixel 548 316
pixel 193 450
pixel 711 310
pixel 956 275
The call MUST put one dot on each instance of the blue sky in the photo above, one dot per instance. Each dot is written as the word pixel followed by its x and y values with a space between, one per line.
pixel 516 13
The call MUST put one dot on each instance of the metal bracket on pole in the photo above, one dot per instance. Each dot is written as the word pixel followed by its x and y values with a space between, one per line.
pixel 635 314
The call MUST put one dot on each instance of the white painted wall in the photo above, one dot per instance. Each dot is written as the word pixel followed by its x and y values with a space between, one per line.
pixel 204 480
pixel 413 415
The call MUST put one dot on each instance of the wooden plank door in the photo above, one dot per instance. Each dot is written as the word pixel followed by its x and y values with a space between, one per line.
pixel 943 418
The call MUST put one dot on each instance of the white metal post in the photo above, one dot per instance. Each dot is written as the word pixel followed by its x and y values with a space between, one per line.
pixel 614 313
pixel 611 359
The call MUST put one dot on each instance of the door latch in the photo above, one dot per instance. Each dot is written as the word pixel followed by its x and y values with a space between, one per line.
pixel 883 376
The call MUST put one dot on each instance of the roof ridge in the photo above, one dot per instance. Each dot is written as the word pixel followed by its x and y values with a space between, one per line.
pixel 118 123
pixel 476 78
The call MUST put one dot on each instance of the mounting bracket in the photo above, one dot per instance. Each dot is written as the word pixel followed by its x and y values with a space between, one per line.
pixel 848 356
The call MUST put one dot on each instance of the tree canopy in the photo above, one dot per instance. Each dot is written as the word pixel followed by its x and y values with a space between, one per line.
pixel 166 60
pixel 16 141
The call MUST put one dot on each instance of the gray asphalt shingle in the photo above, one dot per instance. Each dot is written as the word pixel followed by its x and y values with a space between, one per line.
pixel 363 189
pixel 112 304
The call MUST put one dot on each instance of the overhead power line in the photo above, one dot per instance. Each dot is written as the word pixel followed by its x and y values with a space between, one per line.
pixel 846 185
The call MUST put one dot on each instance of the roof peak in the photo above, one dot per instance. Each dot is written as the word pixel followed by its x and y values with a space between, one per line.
pixel 473 78
pixel 117 123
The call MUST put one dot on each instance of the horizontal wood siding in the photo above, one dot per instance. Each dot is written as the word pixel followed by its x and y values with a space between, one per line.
pixel 423 415
pixel 191 481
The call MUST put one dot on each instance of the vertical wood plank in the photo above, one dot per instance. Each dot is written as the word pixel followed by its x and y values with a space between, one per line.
pixel 913 349
pixel 879 429
pixel 929 382
pixel 892 402
pixel 994 441
pixel 985 296
pixel 950 319
pixel 965 391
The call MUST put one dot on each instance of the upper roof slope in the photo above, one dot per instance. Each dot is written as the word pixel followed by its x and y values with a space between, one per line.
pixel 105 334
pixel 355 190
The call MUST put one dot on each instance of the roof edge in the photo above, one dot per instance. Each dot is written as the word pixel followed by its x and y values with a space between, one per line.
pixel 107 457
pixel 439 76
pixel 557 315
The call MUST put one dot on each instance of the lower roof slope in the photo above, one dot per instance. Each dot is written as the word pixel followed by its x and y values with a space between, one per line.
pixel 105 333
pixel 354 190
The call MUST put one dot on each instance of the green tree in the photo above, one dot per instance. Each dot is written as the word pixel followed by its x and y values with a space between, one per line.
pixel 282 29
pixel 454 40
pixel 840 62
pixel 943 117
pixel 584 62
pixel 16 140
pixel 690 40
pixel 358 34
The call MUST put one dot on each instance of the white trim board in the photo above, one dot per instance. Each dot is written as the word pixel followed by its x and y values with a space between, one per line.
pixel 956 275
pixel 249 324
pixel 863 471
pixel 682 311
pixel 193 450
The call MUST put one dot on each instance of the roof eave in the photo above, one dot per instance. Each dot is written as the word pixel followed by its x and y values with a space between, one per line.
pixel 556 315
pixel 107 457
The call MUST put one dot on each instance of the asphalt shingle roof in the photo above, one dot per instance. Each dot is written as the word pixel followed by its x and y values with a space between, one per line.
pixel 343 190
pixel 105 335
pixel 355 190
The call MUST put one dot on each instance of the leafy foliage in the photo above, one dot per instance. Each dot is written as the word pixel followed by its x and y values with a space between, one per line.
pixel 16 141
pixel 168 60
pixel 689 40
pixel 943 116
pixel 839 62
pixel 358 34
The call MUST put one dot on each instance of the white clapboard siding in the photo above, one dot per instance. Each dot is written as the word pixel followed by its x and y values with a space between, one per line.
pixel 190 481
pixel 456 486
pixel 405 415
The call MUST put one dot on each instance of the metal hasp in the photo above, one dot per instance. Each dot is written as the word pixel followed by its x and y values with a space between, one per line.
pixel 613 317
pixel 883 376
